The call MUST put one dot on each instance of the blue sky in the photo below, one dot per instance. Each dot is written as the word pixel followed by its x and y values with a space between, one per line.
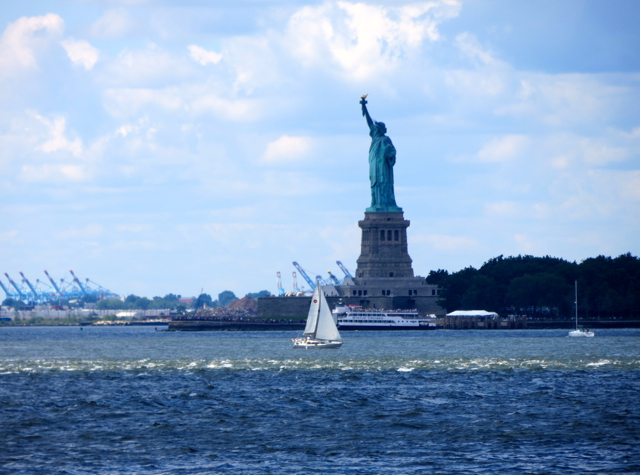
pixel 165 146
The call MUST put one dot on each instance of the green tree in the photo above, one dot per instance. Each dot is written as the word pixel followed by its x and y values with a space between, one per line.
pixel 9 302
pixel 202 300
pixel 539 294
pixel 482 294
pixel 226 297
pixel 89 299
pixel 454 288
pixel 257 295
pixel 437 277
pixel 110 304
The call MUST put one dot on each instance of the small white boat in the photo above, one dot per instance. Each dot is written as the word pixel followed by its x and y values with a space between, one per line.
pixel 580 332
pixel 321 331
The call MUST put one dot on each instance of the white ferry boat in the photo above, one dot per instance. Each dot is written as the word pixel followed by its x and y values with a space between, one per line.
pixel 354 317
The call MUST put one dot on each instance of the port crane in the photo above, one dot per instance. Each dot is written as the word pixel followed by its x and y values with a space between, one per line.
pixel 280 289
pixel 76 280
pixel 55 286
pixel 46 294
pixel 295 282
pixel 333 279
pixel 7 291
pixel 311 283
pixel 344 269
pixel 36 294
pixel 18 289
pixel 64 290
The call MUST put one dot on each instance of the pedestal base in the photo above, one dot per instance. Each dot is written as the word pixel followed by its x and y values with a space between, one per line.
pixel 383 251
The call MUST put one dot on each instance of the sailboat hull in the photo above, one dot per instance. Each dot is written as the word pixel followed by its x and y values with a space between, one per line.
pixel 311 344
pixel 581 334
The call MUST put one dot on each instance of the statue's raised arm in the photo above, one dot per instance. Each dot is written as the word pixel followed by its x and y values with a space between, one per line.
pixel 365 112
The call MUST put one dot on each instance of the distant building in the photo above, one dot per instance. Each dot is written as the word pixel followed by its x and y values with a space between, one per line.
pixel 482 320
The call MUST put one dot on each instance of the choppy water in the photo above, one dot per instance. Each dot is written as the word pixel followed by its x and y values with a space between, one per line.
pixel 133 400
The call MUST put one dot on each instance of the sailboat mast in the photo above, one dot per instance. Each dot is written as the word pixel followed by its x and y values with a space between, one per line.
pixel 319 289
pixel 315 331
pixel 576 285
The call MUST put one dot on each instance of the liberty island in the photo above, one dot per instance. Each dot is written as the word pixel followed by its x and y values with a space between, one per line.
pixel 384 277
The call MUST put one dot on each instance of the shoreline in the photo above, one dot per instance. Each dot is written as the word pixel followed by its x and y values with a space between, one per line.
pixel 203 325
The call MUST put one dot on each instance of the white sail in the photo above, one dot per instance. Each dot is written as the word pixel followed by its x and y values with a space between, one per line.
pixel 326 329
pixel 312 319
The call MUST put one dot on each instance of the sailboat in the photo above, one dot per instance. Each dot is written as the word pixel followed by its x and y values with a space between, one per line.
pixel 580 331
pixel 320 331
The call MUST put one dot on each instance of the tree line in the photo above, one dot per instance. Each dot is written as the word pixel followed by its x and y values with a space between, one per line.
pixel 543 287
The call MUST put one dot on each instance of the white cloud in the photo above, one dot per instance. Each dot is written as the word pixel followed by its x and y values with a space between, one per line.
pixel 89 231
pixel 23 39
pixel 562 100
pixel 114 23
pixel 146 68
pixel 57 140
pixel 505 209
pixel 203 56
pixel 571 151
pixel 470 47
pixel 601 153
pixel 629 185
pixel 525 243
pixel 53 173
pixel 478 86
pixel 232 109
pixel 254 63
pixel 133 228
pixel 364 40
pixel 81 52
pixel 287 149
pixel 504 148
pixel 8 235
pixel 129 101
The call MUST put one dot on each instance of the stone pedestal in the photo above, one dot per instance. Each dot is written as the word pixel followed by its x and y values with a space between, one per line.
pixel 383 252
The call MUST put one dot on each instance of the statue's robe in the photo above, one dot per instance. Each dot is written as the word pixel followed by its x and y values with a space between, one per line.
pixel 382 158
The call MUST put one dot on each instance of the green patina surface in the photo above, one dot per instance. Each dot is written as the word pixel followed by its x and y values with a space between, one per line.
pixel 382 158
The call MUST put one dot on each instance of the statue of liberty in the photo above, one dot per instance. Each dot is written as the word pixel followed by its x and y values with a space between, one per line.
pixel 382 158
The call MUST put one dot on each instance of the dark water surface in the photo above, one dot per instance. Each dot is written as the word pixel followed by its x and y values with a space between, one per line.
pixel 133 400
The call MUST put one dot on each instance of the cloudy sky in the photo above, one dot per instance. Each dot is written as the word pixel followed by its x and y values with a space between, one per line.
pixel 173 146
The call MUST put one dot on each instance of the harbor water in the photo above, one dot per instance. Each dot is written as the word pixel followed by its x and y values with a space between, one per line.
pixel 135 400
